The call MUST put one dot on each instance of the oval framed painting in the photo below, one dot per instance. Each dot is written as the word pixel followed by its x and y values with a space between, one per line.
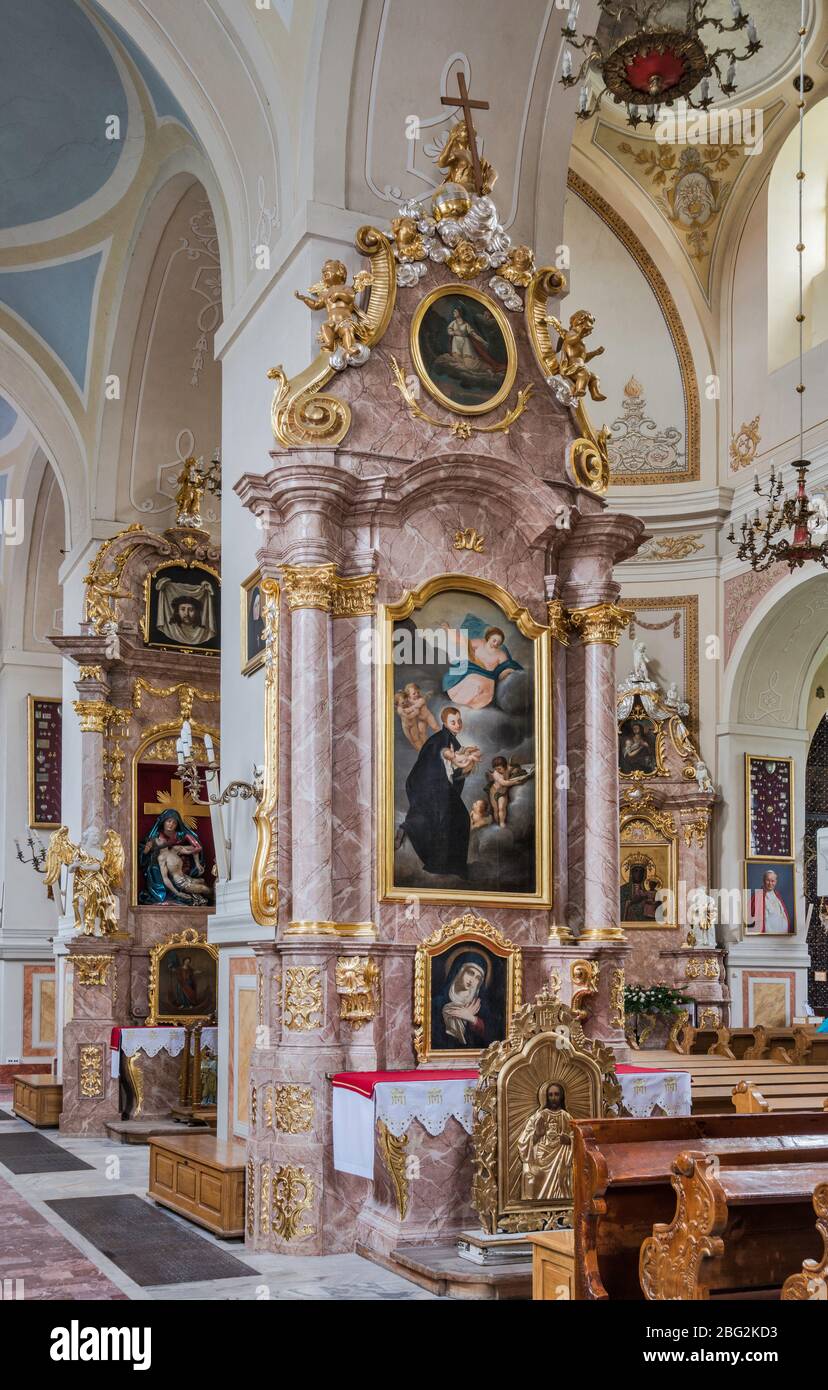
pixel 463 349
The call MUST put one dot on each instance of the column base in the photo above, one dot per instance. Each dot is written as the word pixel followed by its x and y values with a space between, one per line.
pixel 562 934
pixel 603 934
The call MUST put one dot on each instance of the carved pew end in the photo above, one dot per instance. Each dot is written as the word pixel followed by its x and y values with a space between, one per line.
pixel 747 1100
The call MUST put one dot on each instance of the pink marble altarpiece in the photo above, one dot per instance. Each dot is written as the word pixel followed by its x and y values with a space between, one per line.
pixel 385 490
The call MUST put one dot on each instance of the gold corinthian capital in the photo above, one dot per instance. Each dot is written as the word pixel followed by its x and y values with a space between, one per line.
pixel 310 586
pixel 603 623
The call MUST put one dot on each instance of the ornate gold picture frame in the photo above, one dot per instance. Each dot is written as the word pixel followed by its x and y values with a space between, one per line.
pixel 522 1135
pixel 468 982
pixel 463 349
pixel 183 981
pixel 769 807
pixel 483 836
pixel 188 616
pixel 641 746
pixel 649 870
pixel 252 624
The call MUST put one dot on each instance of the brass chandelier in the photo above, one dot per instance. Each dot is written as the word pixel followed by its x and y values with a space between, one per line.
pixel 654 56
pixel 762 540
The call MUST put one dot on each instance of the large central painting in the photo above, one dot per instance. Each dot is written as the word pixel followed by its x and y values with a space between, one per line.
pixel 465 768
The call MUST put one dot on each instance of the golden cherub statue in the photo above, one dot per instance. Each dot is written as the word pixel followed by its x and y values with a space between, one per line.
pixel 408 240
pixel 456 162
pixel 98 870
pixel 343 332
pixel 571 357
pixel 190 491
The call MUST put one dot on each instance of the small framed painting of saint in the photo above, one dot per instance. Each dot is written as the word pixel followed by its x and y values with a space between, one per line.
pixel 182 608
pixel 467 984
pixel 771 888
pixel 465 784
pixel 252 624
pixel 463 349
pixel 640 751
pixel 183 984
pixel 769 793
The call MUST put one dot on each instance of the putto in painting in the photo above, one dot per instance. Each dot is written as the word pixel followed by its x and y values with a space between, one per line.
pixel 466 810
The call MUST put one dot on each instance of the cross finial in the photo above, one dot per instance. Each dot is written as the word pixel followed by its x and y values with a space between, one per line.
pixel 465 102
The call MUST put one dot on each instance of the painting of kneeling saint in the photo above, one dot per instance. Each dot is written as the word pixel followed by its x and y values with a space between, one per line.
pixel 468 1000
pixel 545 1148
pixel 466 799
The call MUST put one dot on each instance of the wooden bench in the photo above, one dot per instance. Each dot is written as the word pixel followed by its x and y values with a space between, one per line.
pixel 689 1040
pixel 740 1223
pixel 786 1088
pixel 740 1043
pixel 812 1282
pixel 200 1177
pixel 38 1099
pixel 622 1173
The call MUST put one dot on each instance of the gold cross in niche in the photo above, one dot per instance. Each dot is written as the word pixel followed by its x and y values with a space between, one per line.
pixel 176 799
pixel 465 101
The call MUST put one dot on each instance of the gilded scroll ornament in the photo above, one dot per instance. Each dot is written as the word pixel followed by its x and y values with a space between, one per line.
pixel 558 619
pixel 467 538
pixel 264 871
pixel 97 871
pixel 103 585
pixel 710 1017
pixel 616 999
pixel 91 970
pixel 357 984
pixel 301 415
pixel 462 428
pixel 293 1109
pixel 393 1152
pixel 250 1197
pixel 264 1200
pixel 90 673
pixel 672 1257
pixel 696 830
pixel 603 623
pixel 671 547
pixel 303 998
pixel 186 694
pixel 355 597
pixel 292 1194
pixel 91 1076
pixel 584 975
pixel 744 445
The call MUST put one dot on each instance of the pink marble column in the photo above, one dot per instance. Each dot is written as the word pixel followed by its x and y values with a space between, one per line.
pixel 601 840
pixel 92 708
pixel 309 591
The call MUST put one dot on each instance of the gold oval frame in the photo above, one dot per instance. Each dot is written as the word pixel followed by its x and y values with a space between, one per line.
pixel 503 324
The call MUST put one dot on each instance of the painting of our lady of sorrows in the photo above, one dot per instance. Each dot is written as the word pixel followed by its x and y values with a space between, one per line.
pixel 465 775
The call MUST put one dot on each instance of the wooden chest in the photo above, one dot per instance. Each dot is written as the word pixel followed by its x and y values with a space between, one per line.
pixel 200 1177
pixel 38 1099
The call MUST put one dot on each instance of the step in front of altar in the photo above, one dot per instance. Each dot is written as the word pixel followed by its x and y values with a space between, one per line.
pixel 441 1270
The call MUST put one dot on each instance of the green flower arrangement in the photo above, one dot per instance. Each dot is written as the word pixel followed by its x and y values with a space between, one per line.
pixel 651 1003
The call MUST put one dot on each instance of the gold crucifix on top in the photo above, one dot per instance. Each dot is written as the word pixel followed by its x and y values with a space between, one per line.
pixel 460 157
pixel 175 799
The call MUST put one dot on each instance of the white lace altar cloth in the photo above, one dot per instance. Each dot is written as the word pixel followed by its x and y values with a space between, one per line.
pixel 151 1041
pixel 356 1108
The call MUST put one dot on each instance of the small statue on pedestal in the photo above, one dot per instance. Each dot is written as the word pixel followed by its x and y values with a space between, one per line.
pixel 97 869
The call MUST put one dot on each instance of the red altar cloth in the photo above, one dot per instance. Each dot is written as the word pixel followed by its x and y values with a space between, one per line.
pixel 364 1082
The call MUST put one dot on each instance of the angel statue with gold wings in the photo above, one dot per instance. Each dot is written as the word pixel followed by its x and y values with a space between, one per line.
pixel 97 869
pixel 572 355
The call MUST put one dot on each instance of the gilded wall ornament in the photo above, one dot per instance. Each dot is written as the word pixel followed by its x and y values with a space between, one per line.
pixel 355 597
pixel 558 619
pixel 293 1192
pixel 293 1108
pixel 616 999
pixel 103 585
pixel 469 539
pixel 671 547
pixel 584 975
pixel 695 831
pixel 744 445
pixel 90 673
pixel 91 970
pixel 357 984
pixel 303 998
pixel 638 448
pixel 309 586
pixel 393 1151
pixel 91 1073
pixel 250 1197
pixel 185 693
pixel 264 871
pixel 603 623
pixel 462 428
pixel 711 1017
pixel 264 1200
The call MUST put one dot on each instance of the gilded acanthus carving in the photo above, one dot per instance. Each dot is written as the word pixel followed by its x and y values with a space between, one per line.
pixel 303 998
pixel 91 970
pixel 584 975
pixel 355 597
pixel 309 586
pixel 91 1074
pixel 293 1192
pixel 103 585
pixel 616 999
pixel 186 694
pixel 393 1152
pixel 357 984
pixel 812 1282
pixel 602 623
pixel 744 445
pixel 293 1108
pixel 558 621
